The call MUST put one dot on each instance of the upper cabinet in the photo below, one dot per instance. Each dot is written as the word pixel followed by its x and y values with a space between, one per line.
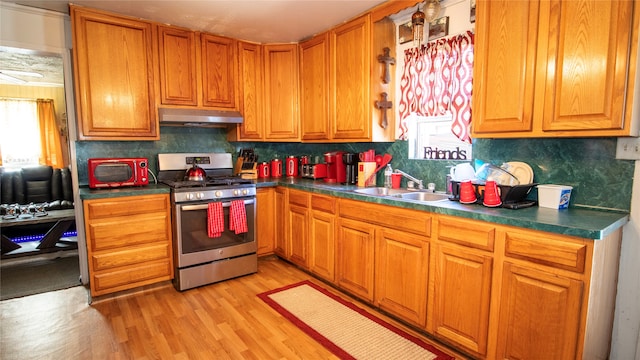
pixel 269 81
pixel 555 68
pixel 197 70
pixel 341 80
pixel 314 88
pixel 114 76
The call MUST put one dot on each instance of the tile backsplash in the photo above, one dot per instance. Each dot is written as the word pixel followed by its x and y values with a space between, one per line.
pixel 587 164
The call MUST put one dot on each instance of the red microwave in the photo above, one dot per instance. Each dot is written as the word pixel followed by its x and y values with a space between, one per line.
pixel 118 172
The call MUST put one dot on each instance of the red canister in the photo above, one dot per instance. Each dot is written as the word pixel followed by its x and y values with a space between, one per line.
pixel 263 170
pixel 292 166
pixel 276 168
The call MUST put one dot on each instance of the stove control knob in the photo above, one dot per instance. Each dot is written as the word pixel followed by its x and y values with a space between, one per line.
pixel 189 196
pixel 236 192
pixel 218 193
pixel 245 192
pixel 199 196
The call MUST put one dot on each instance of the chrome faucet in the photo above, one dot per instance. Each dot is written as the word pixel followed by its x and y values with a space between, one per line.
pixel 415 180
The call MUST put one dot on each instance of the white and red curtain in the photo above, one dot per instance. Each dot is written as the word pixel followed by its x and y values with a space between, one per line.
pixel 437 79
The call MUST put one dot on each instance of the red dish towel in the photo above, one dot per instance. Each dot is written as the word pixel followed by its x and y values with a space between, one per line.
pixel 215 220
pixel 238 217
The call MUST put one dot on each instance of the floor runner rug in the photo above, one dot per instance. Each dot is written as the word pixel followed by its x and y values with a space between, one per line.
pixel 345 329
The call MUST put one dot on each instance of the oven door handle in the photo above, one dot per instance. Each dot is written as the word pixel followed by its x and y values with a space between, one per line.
pixel 206 206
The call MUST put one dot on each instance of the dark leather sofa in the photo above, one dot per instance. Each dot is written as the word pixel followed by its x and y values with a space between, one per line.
pixel 38 185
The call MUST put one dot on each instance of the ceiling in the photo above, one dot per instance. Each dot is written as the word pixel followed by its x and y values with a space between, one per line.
pixel 263 21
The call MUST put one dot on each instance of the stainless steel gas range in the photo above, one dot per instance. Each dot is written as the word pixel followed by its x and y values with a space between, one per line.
pixel 200 257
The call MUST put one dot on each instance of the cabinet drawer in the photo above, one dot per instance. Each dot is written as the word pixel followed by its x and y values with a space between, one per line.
pixel 137 255
pixel 476 234
pixel 129 231
pixel 96 209
pixel 299 198
pixel 323 203
pixel 417 222
pixel 146 273
pixel 546 249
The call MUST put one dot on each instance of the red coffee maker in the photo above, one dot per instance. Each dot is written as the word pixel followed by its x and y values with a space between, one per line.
pixel 336 170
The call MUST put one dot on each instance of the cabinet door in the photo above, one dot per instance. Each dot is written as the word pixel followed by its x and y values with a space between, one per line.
pixel 177 50
pixel 401 282
pixel 539 315
pixel 314 88
pixel 114 77
pixel 282 116
pixel 281 247
pixel 298 234
pixel 350 78
pixel 504 65
pixel 355 243
pixel 586 65
pixel 461 283
pixel 321 244
pixel 219 72
pixel 250 60
pixel 266 220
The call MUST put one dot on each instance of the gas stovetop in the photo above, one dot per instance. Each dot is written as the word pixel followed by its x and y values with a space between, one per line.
pixel 220 183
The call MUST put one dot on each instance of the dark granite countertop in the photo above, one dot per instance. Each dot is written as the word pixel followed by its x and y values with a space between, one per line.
pixel 580 222
pixel 86 193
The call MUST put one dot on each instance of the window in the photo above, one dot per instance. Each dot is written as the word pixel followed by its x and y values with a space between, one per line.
pixel 20 136
pixel 431 138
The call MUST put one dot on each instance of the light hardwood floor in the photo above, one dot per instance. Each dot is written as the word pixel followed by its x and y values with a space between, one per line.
pixel 219 321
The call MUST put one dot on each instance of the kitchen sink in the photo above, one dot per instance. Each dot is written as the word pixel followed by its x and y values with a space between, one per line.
pixel 423 196
pixel 381 191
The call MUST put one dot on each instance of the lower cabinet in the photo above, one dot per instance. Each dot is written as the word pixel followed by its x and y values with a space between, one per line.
pixel 265 220
pixel 322 227
pixel 402 261
pixel 128 242
pixel 460 283
pixel 491 290
pixel 297 224
pixel 539 315
pixel 355 243
pixel 281 247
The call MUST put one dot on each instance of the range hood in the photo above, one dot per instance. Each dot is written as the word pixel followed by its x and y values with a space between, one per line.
pixel 198 117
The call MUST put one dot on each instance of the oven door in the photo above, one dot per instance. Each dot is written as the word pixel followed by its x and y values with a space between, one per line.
pixel 193 246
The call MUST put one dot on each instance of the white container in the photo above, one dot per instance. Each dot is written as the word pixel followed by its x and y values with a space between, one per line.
pixel 554 196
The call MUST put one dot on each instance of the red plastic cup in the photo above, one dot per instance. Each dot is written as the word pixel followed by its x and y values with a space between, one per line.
pixel 395 180
pixel 491 196
pixel 467 193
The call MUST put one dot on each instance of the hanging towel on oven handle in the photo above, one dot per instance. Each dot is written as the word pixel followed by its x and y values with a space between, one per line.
pixel 238 217
pixel 215 219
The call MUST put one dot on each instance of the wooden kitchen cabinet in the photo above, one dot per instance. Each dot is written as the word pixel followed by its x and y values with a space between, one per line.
pixel 281 245
pixel 251 80
pixel 539 315
pixel 460 282
pixel 402 261
pixel 355 244
pixel 197 69
pixel 128 242
pixel 281 110
pixel 265 220
pixel 114 76
pixel 369 235
pixel 178 68
pixel 535 72
pixel 269 76
pixel 298 227
pixel 314 89
pixel 322 227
